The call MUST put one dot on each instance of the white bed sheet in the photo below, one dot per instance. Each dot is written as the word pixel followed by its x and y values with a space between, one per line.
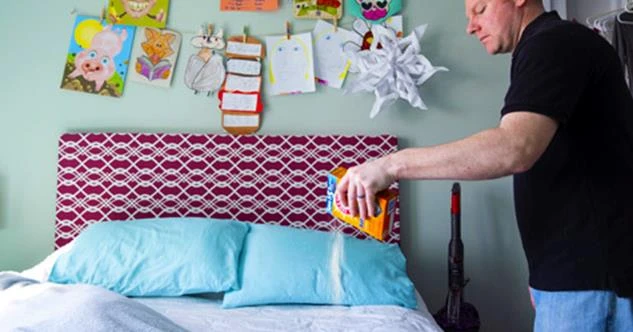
pixel 201 314
pixel 206 314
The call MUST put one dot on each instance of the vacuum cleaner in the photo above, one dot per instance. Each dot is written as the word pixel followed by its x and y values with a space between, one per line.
pixel 456 315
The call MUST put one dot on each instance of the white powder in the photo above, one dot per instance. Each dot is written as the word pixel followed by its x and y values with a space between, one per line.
pixel 335 267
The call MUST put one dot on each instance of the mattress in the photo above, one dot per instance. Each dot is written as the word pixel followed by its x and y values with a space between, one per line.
pixel 206 314
pixel 198 313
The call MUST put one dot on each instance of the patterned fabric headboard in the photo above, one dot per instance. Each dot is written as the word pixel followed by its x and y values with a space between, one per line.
pixel 262 179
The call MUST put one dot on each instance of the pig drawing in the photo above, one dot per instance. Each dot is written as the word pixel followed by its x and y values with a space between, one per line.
pixel 97 62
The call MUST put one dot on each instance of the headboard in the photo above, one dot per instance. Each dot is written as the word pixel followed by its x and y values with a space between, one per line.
pixel 261 179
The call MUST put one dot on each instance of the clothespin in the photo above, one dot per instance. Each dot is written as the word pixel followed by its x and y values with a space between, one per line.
pixel 103 14
pixel 73 12
pixel 287 30
pixel 244 34
pixel 335 24
pixel 209 29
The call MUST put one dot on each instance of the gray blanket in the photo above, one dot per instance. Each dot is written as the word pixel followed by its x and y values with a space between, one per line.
pixel 28 305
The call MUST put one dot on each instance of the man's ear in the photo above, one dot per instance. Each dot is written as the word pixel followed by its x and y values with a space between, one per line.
pixel 521 3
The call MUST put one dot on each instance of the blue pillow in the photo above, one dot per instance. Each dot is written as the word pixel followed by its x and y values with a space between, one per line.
pixel 283 265
pixel 155 257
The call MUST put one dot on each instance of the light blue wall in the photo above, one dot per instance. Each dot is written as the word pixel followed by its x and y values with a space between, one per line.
pixel 34 37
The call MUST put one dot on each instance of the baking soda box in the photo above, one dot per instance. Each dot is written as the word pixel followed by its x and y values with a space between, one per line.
pixel 378 226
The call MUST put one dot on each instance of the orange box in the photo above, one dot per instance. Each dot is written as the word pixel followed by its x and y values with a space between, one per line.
pixel 378 226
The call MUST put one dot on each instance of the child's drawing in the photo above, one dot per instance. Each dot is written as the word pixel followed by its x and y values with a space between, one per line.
pixel 331 63
pixel 98 57
pixel 145 13
pixel 374 11
pixel 318 9
pixel 291 64
pixel 155 55
pixel 205 70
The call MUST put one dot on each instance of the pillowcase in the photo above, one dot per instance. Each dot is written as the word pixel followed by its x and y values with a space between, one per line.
pixel 155 257
pixel 283 265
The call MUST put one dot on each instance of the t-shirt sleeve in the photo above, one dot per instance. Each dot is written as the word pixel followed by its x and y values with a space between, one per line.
pixel 547 78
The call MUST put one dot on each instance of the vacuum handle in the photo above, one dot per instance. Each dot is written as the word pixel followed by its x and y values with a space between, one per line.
pixel 456 232
pixel 455 198
pixel 455 259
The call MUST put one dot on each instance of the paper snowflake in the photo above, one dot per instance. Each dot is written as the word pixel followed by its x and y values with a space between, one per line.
pixel 392 70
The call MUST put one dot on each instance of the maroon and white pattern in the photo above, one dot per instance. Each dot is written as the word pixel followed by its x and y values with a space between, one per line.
pixel 262 179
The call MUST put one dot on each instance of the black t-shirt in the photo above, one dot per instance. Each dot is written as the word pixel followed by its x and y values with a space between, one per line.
pixel 574 207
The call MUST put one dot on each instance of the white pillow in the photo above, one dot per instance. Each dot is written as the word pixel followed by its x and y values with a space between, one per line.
pixel 42 270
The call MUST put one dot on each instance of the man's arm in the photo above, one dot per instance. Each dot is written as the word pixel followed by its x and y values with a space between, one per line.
pixel 513 147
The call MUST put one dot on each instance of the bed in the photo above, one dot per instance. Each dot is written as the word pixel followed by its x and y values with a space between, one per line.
pixel 261 180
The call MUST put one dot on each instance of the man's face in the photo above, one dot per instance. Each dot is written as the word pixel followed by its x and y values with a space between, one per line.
pixel 496 23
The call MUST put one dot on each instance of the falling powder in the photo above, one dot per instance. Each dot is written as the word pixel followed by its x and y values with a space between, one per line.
pixel 335 267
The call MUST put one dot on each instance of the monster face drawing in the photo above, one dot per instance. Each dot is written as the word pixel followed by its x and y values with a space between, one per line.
pixel 138 8
pixel 374 10
pixel 131 11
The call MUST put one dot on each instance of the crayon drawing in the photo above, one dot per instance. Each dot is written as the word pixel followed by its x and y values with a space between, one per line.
pixel 205 70
pixel 98 57
pixel 318 9
pixel 291 64
pixel 331 63
pixel 374 11
pixel 154 55
pixel 145 13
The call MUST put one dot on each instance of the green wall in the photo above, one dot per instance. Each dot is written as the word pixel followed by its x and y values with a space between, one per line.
pixel 34 37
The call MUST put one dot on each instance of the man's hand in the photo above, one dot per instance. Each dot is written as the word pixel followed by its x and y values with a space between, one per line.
pixel 357 189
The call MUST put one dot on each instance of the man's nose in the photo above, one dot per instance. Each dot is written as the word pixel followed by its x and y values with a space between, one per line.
pixel 471 27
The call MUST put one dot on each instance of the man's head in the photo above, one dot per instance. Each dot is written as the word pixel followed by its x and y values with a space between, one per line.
pixel 498 24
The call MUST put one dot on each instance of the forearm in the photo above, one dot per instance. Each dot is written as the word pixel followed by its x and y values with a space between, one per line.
pixel 488 154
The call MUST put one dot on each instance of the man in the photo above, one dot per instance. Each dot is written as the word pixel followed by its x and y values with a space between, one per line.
pixel 566 134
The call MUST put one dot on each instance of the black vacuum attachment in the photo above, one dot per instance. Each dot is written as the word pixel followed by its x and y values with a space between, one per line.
pixel 456 315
